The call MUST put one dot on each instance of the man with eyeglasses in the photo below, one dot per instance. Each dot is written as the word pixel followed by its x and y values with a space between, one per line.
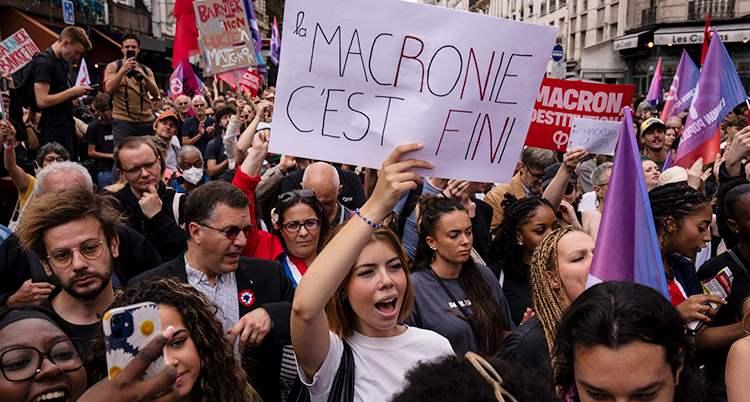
pixel 199 129
pixel 526 183
pixel 254 296
pixel 74 232
pixel 152 208
pixel 23 279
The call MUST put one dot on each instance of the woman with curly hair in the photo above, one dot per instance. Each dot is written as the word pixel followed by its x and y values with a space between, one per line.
pixel 207 369
pixel 525 224
pixel 445 274
pixel 559 269
pixel 620 341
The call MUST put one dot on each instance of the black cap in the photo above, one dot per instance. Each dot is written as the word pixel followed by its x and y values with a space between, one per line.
pixel 551 171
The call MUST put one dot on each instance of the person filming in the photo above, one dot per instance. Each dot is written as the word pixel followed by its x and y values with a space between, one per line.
pixel 130 83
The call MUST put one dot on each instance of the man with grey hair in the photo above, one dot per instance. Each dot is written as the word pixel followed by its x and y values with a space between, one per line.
pixel 199 129
pixel 675 122
pixel 526 183
pixel 23 279
pixel 324 180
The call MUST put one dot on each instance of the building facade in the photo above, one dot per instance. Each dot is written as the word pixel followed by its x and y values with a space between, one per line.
pixel 621 41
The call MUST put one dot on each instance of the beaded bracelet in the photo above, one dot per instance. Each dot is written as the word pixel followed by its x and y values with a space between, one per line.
pixel 369 222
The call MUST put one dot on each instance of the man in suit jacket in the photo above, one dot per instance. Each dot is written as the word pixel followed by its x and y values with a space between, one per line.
pixel 254 296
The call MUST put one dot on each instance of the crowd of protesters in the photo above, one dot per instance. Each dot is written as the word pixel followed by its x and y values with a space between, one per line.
pixel 282 278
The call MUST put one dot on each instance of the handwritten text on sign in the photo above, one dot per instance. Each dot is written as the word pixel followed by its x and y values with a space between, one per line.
pixel 16 51
pixel 594 136
pixel 560 102
pixel 358 78
pixel 225 34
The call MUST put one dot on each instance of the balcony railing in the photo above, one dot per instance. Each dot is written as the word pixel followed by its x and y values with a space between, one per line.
pixel 648 16
pixel 129 19
pixel 719 9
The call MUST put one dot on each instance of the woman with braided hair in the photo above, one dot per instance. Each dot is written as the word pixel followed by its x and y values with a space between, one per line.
pixel 526 222
pixel 444 274
pixel 682 216
pixel 559 269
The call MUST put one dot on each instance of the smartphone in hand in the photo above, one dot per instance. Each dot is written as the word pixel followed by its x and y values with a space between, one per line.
pixel 127 330
pixel 129 54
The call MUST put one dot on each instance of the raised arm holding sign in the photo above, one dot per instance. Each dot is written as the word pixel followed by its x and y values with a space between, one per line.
pixel 358 78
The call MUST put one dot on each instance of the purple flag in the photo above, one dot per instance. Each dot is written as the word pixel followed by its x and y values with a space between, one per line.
pixel 627 248
pixel 275 43
pixel 668 161
pixel 258 44
pixel 683 87
pixel 718 91
pixel 656 92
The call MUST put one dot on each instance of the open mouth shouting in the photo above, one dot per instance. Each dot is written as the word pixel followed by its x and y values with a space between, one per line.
pixel 387 307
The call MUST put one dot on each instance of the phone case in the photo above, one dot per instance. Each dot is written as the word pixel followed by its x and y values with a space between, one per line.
pixel 127 330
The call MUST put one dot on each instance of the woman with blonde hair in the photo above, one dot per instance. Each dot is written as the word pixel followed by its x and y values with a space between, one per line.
pixel 559 269
pixel 354 294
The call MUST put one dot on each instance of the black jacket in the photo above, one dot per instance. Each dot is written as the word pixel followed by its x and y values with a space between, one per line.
pixel 161 230
pixel 273 291
pixel 137 255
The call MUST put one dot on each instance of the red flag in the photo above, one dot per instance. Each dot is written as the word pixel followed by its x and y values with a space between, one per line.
pixel 186 33
pixel 706 39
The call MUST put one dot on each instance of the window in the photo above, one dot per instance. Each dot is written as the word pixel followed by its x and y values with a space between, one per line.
pixel 613 30
pixel 599 34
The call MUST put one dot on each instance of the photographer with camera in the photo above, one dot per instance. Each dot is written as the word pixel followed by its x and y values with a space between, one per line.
pixel 130 84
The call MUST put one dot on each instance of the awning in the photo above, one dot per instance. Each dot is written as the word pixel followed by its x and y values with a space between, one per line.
pixel 628 41
pixel 694 35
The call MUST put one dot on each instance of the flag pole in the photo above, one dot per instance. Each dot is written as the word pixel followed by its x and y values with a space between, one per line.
pixel 239 88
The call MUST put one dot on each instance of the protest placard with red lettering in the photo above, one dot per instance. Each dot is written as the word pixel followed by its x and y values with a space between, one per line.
pixel 358 78
pixel 250 82
pixel 560 102
pixel 226 42
pixel 17 51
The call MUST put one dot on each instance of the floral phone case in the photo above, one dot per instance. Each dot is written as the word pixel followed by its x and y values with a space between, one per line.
pixel 127 330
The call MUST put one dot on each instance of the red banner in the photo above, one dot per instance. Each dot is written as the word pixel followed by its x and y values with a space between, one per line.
pixel 250 82
pixel 559 102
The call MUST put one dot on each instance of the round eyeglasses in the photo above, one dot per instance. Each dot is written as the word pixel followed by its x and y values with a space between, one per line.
pixel 20 364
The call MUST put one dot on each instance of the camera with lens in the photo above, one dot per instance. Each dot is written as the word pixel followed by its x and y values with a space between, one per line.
pixel 134 74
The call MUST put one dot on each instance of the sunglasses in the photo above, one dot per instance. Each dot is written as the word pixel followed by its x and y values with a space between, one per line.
pixel 233 231
pixel 570 188
pixel 209 114
pixel 485 369
pixel 294 194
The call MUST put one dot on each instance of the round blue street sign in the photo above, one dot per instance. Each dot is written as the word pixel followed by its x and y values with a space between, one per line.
pixel 557 53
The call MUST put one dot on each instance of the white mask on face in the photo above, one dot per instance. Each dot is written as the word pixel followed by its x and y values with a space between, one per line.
pixel 193 175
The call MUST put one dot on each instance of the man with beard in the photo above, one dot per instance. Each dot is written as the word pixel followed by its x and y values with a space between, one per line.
pixel 652 136
pixel 74 232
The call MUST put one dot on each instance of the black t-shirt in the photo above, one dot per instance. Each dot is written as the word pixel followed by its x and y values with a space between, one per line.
pixel 480 227
pixel 732 311
pixel 100 135
pixel 517 292
pixel 190 130
pixel 527 346
pixel 51 69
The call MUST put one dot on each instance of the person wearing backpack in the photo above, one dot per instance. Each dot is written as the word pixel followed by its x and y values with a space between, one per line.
pixel 53 91
pixel 130 83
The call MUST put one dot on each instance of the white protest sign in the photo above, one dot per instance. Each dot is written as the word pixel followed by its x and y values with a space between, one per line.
pixel 16 51
pixel 357 78
pixel 595 136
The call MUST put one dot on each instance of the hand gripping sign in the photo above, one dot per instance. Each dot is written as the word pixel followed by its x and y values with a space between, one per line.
pixel 560 102
pixel 357 78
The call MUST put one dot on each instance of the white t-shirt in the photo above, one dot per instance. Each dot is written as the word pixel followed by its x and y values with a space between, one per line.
pixel 171 160
pixel 380 364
